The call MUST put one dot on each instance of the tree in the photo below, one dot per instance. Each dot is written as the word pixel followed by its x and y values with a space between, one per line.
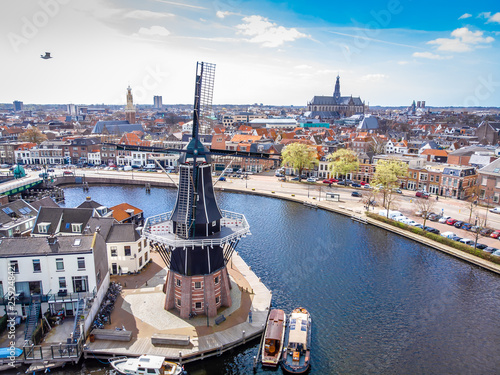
pixel 298 156
pixel 387 176
pixel 472 201
pixel 424 205
pixel 33 135
pixel 343 161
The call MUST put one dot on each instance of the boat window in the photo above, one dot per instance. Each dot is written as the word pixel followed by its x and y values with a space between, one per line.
pixel 151 371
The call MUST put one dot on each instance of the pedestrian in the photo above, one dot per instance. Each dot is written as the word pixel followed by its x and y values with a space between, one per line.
pixel 250 316
pixel 437 197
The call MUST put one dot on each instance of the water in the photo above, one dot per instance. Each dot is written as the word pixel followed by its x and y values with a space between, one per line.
pixel 380 304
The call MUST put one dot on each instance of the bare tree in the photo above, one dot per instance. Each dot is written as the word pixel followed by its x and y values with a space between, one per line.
pixel 424 205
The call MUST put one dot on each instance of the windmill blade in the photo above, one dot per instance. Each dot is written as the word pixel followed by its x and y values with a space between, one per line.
pixel 207 71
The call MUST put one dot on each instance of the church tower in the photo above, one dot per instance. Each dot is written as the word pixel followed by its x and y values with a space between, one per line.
pixel 130 109
pixel 336 93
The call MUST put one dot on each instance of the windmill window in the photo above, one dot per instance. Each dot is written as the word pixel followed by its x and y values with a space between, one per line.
pixel 178 300
pixel 197 305
pixel 216 280
pixel 197 285
pixel 178 282
pixel 217 300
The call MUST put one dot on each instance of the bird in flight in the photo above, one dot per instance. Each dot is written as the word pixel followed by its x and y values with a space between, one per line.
pixel 46 56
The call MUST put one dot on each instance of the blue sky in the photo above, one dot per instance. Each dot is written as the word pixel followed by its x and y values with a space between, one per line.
pixel 283 53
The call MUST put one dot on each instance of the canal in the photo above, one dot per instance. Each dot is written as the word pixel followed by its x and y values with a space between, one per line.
pixel 380 303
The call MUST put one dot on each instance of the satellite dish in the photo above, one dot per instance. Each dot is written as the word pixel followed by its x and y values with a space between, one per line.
pixel 46 56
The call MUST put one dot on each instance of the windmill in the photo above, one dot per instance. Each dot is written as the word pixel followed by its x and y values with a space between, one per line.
pixel 196 239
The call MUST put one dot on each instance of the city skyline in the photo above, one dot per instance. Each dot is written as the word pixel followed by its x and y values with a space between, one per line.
pixel 388 53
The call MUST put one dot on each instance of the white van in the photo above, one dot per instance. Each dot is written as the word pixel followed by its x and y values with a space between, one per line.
pixel 392 214
pixel 448 234
pixel 150 166
pixel 127 168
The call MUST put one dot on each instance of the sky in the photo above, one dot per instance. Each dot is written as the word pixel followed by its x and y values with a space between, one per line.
pixel 388 53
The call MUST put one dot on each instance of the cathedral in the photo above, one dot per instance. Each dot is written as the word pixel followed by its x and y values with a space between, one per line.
pixel 336 106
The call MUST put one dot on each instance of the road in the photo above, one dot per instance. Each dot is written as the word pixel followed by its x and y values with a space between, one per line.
pixel 317 191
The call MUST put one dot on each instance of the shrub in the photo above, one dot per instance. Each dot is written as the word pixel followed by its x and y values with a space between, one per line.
pixel 436 237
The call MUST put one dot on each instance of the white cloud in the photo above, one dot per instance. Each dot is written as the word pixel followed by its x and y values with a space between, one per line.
pixel 153 31
pixel 465 15
pixel 303 66
pixel 494 18
pixel 267 33
pixel 430 55
pixel 224 14
pixel 143 14
pixel 373 77
pixel 403 62
pixel 463 40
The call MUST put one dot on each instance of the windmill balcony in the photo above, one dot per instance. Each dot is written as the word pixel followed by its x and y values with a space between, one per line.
pixel 159 228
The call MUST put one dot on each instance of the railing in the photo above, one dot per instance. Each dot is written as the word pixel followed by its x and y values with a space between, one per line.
pixel 159 228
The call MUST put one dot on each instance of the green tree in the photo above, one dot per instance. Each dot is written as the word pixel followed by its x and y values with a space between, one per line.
pixel 33 135
pixel 387 176
pixel 298 156
pixel 343 161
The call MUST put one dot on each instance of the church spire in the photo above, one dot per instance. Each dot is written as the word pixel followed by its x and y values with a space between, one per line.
pixel 130 109
pixel 336 93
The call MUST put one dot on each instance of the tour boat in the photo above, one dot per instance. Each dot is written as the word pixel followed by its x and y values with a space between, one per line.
pixel 273 338
pixel 145 364
pixel 296 355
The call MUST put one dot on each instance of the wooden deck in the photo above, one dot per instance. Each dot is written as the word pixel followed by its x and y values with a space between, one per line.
pixel 205 341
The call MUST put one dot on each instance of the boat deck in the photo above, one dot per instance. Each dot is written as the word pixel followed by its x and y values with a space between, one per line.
pixel 141 311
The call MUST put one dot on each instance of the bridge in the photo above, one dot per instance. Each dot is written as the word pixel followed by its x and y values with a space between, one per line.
pixel 19 185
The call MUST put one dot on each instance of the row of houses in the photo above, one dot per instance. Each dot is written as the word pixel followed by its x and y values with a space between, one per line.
pixel 60 256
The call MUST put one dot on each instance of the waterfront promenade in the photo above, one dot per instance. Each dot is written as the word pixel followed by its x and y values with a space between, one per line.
pixel 315 195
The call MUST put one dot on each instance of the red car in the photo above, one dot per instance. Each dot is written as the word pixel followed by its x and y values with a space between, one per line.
pixel 328 181
pixel 68 172
pixel 362 183
pixel 495 234
pixel 422 194
pixel 451 221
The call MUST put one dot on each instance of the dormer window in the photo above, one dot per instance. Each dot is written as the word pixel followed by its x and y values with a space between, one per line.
pixel 43 227
pixel 76 227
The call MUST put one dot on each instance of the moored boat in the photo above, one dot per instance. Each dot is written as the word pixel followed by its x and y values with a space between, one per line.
pixel 273 338
pixel 145 364
pixel 297 353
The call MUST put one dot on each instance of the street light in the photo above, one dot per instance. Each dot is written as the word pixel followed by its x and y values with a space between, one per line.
pixel 477 233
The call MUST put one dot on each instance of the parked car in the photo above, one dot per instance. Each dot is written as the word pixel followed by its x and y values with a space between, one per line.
pixel 481 246
pixel 467 241
pixel 279 175
pixel 485 232
pixel 68 173
pixel 431 230
pixel 448 234
pixel 363 183
pixel 495 234
pixel 434 217
pixel 419 226
pixel 443 219
pixel 327 181
pixel 458 224
pixel 334 180
pixel 496 253
pixel 342 183
pixel 451 221
pixel 495 210
pixel 400 218
pixel 311 179
pixel 356 194
pixel 296 178
pixel 355 185
pixel 456 238
pixel 399 191
pixel 367 186
pixel 409 222
pixel 490 249
pixel 222 178
pixel 467 226
pixel 422 194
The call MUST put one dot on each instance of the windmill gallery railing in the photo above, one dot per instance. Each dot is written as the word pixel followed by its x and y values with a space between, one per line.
pixel 159 228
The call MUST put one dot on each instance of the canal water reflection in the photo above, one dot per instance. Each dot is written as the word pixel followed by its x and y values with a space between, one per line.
pixel 380 304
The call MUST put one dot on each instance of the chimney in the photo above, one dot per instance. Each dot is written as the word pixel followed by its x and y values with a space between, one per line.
pixel 88 199
pixel 52 239
pixel 98 229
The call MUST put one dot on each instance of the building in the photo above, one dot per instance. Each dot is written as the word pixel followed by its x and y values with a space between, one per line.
pixel 17 218
pixel 335 106
pixel 130 109
pixel 488 132
pixel 157 102
pixel 126 213
pixel 54 273
pixel 127 251
pixel 489 183
pixel 18 106
pixel 458 181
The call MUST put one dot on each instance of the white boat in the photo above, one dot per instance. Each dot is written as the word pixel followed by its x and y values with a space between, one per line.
pixel 297 353
pixel 145 364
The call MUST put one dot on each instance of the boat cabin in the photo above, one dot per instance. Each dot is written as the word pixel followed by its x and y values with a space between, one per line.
pixel 297 340
pixel 149 365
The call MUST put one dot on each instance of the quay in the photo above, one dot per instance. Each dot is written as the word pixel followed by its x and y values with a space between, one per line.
pixel 140 310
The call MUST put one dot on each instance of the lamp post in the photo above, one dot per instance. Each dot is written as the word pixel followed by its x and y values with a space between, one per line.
pixel 487 209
